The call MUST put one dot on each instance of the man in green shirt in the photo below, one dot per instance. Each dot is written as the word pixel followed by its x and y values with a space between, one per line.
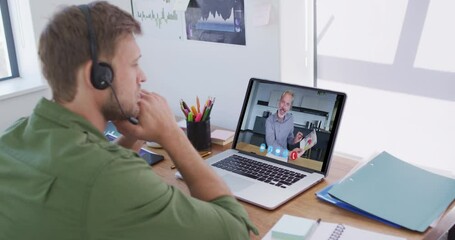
pixel 61 179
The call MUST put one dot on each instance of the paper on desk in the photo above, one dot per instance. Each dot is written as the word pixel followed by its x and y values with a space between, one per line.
pixel 327 230
pixel 397 191
pixel 222 135
pixel 182 124
pixel 345 232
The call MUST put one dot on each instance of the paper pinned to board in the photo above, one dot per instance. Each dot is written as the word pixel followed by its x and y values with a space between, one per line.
pixel 181 5
pixel 261 14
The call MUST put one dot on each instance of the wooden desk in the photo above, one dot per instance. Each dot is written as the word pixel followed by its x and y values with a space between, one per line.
pixel 307 205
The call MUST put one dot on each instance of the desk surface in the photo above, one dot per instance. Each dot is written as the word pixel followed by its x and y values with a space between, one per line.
pixel 307 205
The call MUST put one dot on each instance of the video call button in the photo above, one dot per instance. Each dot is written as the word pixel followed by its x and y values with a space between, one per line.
pixel 293 155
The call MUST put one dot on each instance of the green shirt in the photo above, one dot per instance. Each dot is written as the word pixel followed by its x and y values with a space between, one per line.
pixel 61 179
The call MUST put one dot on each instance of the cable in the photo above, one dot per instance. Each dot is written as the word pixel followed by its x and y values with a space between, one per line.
pixel 132 120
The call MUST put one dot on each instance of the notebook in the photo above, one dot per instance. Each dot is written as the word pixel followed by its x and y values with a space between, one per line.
pixel 269 181
pixel 320 230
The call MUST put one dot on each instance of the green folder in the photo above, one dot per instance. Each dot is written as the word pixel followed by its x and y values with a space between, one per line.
pixel 397 191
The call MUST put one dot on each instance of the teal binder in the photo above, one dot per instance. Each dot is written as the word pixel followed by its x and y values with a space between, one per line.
pixel 397 191
pixel 325 196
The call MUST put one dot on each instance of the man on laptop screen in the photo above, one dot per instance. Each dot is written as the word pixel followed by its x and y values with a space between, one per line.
pixel 279 129
pixel 268 175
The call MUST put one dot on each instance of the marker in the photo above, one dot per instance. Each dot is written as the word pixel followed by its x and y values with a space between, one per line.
pixel 198 117
pixel 193 110
pixel 184 104
pixel 185 111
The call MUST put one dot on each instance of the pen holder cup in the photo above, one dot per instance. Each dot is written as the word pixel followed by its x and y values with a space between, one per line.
pixel 199 135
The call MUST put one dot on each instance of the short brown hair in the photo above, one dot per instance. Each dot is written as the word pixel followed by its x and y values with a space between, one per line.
pixel 64 44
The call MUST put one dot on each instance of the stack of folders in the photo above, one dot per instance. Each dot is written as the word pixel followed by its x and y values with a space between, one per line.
pixel 299 228
pixel 394 192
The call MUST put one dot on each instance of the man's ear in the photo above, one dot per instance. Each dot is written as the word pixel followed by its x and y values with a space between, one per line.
pixel 85 73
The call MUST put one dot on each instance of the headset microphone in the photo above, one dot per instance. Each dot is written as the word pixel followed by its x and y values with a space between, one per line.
pixel 102 74
pixel 132 120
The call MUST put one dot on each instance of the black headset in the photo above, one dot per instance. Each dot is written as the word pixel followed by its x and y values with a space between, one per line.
pixel 101 74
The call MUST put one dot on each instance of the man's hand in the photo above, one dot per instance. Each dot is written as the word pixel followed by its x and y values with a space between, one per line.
pixel 298 137
pixel 156 120
pixel 157 123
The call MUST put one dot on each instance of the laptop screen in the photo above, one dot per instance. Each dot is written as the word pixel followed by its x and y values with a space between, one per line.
pixel 290 124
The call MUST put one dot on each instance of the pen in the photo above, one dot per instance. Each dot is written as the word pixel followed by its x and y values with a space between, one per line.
pixel 194 112
pixel 203 111
pixel 205 154
pixel 313 229
pixel 204 117
pixel 209 110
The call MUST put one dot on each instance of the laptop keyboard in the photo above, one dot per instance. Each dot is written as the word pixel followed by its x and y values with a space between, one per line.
pixel 258 170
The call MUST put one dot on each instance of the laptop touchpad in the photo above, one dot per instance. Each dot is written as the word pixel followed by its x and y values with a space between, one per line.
pixel 236 184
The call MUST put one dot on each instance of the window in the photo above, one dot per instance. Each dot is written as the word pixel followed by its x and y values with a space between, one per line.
pixel 8 61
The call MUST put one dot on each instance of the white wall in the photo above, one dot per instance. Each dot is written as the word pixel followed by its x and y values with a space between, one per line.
pixel 399 99
pixel 394 59
pixel 210 69
pixel 42 10
pixel 185 69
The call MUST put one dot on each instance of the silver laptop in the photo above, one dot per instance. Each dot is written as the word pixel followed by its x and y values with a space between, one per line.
pixel 268 175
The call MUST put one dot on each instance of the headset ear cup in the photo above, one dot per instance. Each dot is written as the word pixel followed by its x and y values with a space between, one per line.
pixel 102 76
